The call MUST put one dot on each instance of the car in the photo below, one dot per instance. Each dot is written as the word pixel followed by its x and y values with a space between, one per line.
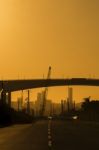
pixel 50 117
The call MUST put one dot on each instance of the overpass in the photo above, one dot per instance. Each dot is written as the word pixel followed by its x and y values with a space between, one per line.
pixel 8 86
pixel 16 85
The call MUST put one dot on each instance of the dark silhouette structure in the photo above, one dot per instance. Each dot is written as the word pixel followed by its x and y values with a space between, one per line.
pixel 90 109
pixel 16 85
pixel 8 86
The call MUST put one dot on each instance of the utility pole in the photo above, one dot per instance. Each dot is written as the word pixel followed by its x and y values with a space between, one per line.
pixel 28 103
pixel 62 107
pixel 22 100
pixel 18 104
pixel 68 105
pixel 3 94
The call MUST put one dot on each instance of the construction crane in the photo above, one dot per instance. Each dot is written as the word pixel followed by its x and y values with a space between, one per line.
pixel 44 96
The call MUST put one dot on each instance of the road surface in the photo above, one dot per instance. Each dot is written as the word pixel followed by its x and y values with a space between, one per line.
pixel 75 135
pixel 54 135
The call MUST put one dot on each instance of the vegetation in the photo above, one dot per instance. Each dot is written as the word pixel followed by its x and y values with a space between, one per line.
pixel 90 110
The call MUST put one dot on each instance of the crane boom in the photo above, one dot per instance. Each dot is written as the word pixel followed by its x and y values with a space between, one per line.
pixel 48 77
pixel 45 94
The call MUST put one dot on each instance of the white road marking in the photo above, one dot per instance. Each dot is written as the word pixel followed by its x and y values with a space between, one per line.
pixel 49 134
pixel 49 130
pixel 49 143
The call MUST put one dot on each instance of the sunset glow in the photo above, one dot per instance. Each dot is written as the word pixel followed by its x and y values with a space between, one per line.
pixel 35 34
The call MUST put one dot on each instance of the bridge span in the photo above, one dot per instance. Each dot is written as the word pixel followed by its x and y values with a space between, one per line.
pixel 16 85
pixel 8 86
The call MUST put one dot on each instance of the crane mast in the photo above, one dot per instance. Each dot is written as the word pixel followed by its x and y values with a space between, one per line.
pixel 45 94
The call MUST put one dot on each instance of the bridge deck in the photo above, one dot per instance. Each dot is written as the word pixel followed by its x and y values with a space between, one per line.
pixel 16 85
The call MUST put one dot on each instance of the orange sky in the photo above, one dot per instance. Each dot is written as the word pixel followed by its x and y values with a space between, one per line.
pixel 62 33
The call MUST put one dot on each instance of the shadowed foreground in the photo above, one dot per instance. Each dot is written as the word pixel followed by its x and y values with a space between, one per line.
pixel 24 137
pixel 75 135
pixel 65 135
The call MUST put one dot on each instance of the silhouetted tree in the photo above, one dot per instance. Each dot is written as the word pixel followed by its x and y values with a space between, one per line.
pixel 91 109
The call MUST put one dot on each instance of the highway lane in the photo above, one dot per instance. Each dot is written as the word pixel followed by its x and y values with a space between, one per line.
pixel 51 135
pixel 25 137
pixel 75 135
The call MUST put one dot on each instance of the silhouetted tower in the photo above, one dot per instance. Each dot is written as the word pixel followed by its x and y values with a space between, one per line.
pixel 62 107
pixel 65 106
pixel 19 103
pixel 74 105
pixel 68 105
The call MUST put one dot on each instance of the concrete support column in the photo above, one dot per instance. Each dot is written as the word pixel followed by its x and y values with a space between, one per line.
pixel 3 97
pixel 9 99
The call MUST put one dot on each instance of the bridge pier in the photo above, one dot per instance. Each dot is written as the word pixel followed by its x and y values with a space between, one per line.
pixel 9 99
pixel 6 98
pixel 3 97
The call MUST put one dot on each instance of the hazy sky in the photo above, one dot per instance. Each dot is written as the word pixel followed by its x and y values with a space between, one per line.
pixel 62 33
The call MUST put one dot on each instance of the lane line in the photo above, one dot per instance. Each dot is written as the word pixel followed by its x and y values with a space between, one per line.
pixel 49 130
pixel 50 143
pixel 49 137
pixel 49 134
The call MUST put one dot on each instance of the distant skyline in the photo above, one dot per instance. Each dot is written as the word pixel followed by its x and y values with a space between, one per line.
pixel 64 34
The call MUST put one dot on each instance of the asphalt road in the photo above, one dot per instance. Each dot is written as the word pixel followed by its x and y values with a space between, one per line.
pixel 75 135
pixel 54 135
pixel 25 137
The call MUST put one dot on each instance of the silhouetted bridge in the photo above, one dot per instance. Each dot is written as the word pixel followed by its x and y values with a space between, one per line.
pixel 16 85
pixel 9 86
